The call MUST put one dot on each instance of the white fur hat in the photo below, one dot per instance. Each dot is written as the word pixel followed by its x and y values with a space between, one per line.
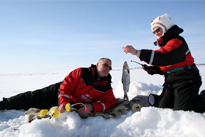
pixel 163 21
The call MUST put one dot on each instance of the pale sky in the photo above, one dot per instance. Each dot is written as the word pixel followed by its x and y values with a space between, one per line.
pixel 38 36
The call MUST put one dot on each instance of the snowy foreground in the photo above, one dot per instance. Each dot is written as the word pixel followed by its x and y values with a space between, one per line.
pixel 149 122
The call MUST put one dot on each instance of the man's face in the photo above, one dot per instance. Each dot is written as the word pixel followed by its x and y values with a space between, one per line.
pixel 103 67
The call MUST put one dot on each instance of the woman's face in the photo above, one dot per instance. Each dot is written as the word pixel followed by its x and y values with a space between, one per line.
pixel 158 31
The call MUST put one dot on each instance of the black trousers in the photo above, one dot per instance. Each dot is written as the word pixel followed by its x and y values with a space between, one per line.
pixel 180 92
pixel 44 98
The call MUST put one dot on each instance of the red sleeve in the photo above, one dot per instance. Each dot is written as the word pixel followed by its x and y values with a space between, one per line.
pixel 68 85
pixel 172 44
pixel 173 52
pixel 106 101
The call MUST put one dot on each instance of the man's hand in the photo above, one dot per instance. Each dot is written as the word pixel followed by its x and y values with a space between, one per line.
pixel 62 108
pixel 85 111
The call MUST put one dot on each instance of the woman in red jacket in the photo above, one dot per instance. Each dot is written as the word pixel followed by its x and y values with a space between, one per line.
pixel 175 62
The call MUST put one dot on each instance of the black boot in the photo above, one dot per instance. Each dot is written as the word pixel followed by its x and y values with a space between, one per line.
pixel 202 95
pixel 1 105
pixel 152 98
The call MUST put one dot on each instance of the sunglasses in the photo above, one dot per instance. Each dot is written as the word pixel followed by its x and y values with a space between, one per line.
pixel 157 30
pixel 106 65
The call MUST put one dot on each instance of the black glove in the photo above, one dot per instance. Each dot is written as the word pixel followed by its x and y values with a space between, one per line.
pixel 76 107
pixel 153 70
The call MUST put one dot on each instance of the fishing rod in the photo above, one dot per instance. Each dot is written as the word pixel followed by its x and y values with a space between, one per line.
pixel 138 63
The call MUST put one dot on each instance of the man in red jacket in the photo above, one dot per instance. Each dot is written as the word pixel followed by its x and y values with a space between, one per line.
pixel 91 86
pixel 175 62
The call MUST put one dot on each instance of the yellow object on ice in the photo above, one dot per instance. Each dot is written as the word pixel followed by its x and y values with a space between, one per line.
pixel 43 112
pixel 55 112
pixel 68 107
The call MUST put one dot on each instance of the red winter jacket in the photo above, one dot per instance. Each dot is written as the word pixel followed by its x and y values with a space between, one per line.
pixel 174 51
pixel 84 86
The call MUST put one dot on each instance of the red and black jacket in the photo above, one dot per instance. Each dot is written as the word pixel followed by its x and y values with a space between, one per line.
pixel 174 51
pixel 83 85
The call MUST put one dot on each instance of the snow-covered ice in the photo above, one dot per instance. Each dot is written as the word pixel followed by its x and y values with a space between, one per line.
pixel 149 122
